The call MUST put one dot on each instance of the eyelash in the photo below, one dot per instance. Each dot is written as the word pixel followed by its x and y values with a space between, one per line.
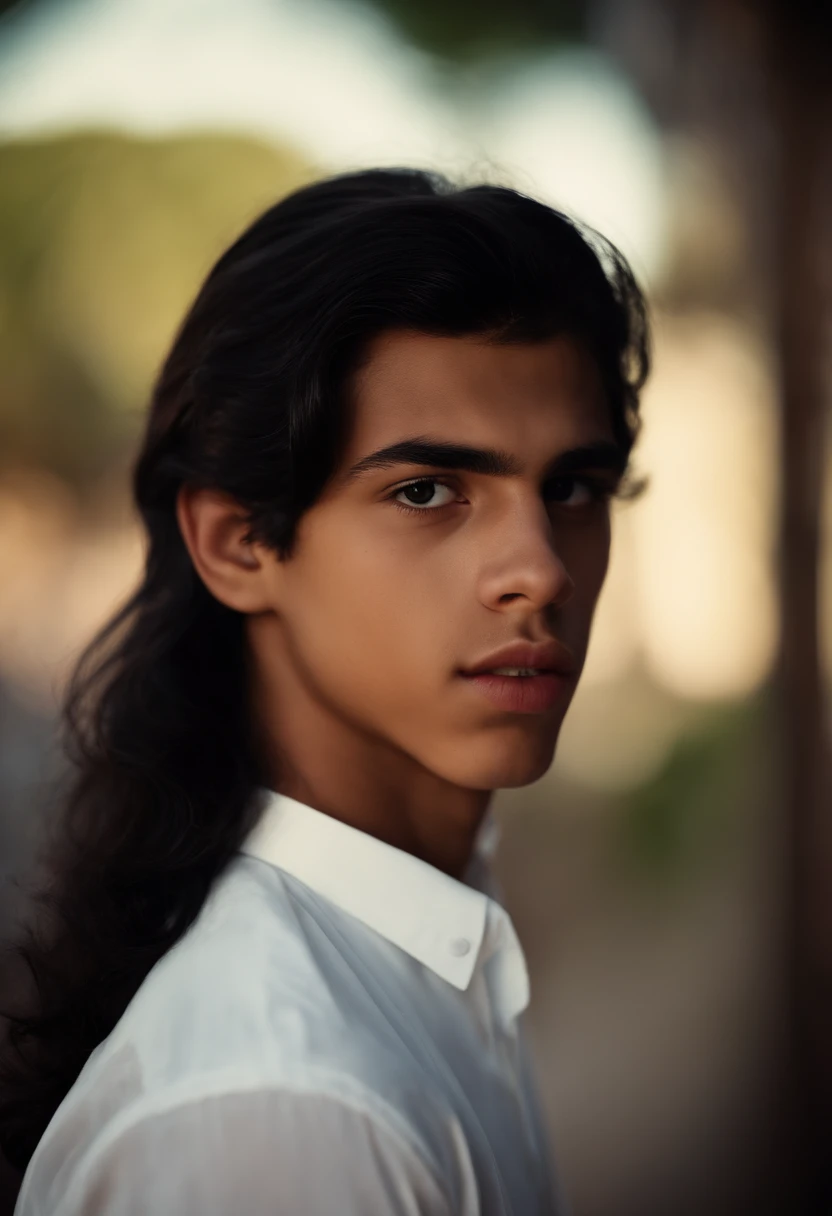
pixel 596 488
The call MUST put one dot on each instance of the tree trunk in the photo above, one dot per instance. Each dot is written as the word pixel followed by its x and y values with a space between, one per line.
pixel 801 99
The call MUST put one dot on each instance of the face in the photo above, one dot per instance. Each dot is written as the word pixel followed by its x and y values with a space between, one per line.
pixel 404 574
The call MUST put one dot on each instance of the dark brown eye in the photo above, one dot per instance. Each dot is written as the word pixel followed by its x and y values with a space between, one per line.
pixel 421 494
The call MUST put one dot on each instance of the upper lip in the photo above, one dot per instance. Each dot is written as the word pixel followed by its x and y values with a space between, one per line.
pixel 544 656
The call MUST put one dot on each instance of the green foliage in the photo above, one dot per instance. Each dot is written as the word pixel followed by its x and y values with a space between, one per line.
pixel 104 240
pixel 690 807
pixel 465 30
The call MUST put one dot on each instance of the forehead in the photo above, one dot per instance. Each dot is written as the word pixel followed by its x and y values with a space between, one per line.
pixel 476 391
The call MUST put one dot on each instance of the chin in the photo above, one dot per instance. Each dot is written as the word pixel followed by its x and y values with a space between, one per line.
pixel 499 763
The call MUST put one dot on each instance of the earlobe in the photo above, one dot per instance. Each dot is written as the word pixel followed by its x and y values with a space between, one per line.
pixel 213 526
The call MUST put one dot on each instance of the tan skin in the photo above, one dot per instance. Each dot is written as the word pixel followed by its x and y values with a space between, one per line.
pixel 357 639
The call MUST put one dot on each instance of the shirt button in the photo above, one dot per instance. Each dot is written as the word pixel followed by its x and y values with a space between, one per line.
pixel 460 946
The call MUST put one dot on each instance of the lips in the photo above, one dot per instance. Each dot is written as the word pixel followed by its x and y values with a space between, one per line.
pixel 552 687
pixel 524 694
pixel 550 657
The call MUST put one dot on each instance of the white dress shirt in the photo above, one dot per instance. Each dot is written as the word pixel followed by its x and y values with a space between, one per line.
pixel 337 1034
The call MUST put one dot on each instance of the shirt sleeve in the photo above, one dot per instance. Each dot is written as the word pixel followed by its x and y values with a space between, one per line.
pixel 257 1153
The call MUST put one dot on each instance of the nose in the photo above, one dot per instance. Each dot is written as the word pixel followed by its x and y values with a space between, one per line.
pixel 524 564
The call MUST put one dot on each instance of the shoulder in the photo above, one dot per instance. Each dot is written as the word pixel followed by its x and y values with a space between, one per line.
pixel 254 1020
pixel 253 1148
pixel 223 995
pixel 264 985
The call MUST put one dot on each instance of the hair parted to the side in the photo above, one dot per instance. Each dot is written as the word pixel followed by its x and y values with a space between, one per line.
pixel 251 401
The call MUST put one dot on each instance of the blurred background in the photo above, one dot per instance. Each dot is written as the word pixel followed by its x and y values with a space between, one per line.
pixel 670 875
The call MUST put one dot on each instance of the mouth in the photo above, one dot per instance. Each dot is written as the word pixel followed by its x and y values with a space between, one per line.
pixel 525 677
pixel 528 692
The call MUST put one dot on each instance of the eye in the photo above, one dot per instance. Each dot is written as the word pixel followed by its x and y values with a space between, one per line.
pixel 421 489
pixel 561 489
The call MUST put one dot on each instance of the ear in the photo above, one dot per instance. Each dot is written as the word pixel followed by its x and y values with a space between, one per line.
pixel 236 572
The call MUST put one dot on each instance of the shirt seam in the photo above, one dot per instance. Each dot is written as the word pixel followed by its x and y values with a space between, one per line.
pixel 362 1101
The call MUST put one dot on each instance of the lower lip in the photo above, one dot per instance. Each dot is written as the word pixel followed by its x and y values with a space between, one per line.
pixel 523 694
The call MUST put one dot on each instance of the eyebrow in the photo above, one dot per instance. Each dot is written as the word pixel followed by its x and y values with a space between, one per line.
pixel 492 462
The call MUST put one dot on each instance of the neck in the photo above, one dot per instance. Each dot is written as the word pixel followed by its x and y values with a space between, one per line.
pixel 438 828
pixel 366 782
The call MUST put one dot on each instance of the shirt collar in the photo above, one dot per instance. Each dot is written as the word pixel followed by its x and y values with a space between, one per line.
pixel 437 919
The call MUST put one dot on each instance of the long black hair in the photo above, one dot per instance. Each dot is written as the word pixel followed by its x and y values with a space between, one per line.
pixel 251 401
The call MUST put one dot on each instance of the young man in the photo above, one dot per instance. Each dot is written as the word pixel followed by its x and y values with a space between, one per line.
pixel 376 481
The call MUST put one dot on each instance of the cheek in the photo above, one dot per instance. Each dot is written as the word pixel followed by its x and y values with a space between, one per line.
pixel 366 623
pixel 586 557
